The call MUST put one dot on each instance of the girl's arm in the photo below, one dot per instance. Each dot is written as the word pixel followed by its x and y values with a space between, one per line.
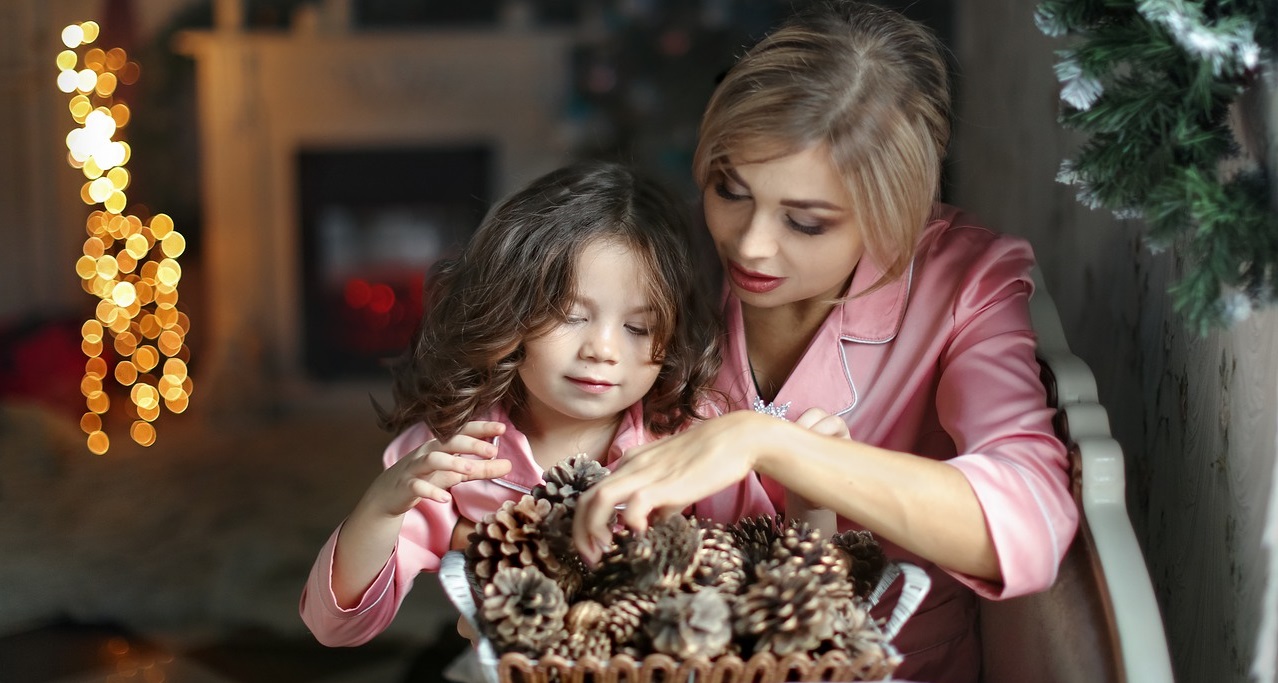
pixel 372 530
pixel 923 505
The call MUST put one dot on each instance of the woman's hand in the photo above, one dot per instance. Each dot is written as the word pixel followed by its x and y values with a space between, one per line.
pixel 669 474
pixel 436 466
pixel 823 423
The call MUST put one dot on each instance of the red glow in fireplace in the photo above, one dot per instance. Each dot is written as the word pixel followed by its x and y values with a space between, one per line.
pixel 373 223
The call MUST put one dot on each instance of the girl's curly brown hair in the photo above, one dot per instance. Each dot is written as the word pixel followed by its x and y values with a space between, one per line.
pixel 516 279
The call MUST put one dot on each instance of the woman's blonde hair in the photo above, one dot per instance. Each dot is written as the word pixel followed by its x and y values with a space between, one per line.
pixel 867 83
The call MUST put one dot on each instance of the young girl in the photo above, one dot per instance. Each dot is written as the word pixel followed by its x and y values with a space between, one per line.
pixel 850 289
pixel 570 324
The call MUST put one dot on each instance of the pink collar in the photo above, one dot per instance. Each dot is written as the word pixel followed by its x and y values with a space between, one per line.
pixel 526 473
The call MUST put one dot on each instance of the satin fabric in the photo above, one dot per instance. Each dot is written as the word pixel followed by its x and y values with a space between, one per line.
pixel 940 363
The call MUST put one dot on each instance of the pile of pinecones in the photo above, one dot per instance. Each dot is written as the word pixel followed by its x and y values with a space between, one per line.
pixel 687 588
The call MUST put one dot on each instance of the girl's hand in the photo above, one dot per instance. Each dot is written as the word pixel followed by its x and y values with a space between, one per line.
pixel 824 423
pixel 667 475
pixel 436 466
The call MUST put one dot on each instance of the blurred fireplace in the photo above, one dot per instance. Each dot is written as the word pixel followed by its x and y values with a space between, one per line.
pixel 372 223
pixel 387 127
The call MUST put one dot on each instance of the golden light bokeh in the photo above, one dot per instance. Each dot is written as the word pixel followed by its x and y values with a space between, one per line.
pixel 151 413
pixel 90 385
pixel 96 367
pixel 98 402
pixel 144 396
pixel 95 58
pixel 120 112
pixel 143 433
pixel 173 245
pixel 146 358
pixel 126 373
pixel 72 36
pixel 90 423
pixel 88 31
pixel 98 443
pixel 136 316
pixel 119 179
pixel 91 331
pixel 124 294
pixel 126 262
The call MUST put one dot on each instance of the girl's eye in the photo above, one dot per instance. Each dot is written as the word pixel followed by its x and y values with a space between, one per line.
pixel 572 319
pixel 721 189
pixel 638 330
pixel 805 228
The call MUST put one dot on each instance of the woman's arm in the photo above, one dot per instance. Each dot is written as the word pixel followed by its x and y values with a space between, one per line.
pixel 922 505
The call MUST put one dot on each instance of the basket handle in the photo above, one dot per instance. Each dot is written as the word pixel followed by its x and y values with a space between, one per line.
pixel 452 576
pixel 917 584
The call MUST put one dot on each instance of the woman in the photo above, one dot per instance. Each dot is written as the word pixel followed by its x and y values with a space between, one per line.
pixel 853 295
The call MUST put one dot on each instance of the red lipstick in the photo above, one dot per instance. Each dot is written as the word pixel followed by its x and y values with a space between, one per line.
pixel 752 281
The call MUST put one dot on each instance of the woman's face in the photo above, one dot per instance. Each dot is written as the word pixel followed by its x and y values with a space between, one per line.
pixel 784 229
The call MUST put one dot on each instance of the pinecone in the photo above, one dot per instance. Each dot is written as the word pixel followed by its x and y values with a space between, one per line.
pixel 523 611
pixel 783 611
pixel 587 633
pixel 626 612
pixel 800 545
pixel 556 530
pixel 798 539
pixel 848 617
pixel 721 564
pixel 664 558
pixel 858 635
pixel 873 658
pixel 511 537
pixel 865 559
pixel 569 478
pixel 685 625
pixel 755 536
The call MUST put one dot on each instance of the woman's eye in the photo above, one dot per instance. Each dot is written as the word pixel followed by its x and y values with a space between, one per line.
pixel 721 189
pixel 805 228
pixel 574 319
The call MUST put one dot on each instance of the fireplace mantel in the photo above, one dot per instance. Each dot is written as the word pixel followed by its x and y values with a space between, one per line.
pixel 263 97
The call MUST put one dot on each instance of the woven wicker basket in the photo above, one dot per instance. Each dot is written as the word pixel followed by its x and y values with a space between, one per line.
pixel 658 668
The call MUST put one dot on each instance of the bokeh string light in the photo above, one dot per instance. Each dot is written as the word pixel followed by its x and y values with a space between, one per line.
pixel 137 337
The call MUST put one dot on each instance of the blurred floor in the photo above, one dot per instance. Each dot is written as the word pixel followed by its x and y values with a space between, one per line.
pixel 183 562
pixel 97 653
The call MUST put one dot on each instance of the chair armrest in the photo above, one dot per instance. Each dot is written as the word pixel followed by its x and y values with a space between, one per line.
pixel 1100 489
pixel 1142 643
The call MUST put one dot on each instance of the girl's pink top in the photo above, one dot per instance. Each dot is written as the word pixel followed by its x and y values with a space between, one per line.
pixel 941 363
pixel 428 528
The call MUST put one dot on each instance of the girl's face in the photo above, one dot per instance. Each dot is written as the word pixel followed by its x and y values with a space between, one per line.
pixel 598 362
pixel 783 229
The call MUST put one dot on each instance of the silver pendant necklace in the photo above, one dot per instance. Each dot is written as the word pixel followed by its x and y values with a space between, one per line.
pixel 762 406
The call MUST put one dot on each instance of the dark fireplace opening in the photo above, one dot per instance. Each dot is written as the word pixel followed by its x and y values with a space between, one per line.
pixel 373 223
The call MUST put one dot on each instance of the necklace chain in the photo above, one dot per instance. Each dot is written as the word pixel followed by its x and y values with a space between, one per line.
pixel 762 406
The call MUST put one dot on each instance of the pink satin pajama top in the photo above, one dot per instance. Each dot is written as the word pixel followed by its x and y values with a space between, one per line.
pixel 940 363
